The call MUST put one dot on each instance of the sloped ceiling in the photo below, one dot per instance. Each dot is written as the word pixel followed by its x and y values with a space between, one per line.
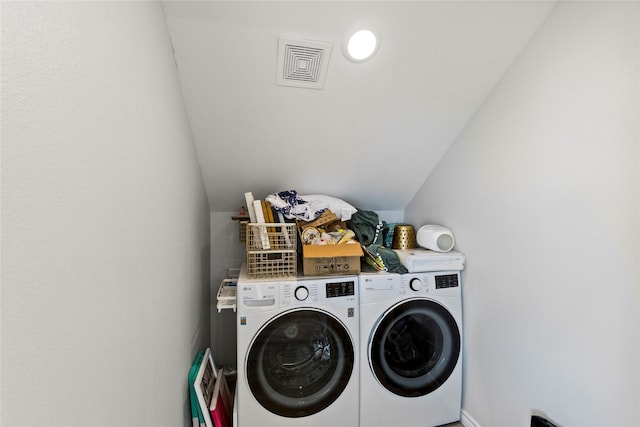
pixel 376 130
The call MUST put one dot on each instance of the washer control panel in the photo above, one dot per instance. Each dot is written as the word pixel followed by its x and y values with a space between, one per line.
pixel 296 292
pixel 412 284
pixel 336 292
pixel 447 281
pixel 340 289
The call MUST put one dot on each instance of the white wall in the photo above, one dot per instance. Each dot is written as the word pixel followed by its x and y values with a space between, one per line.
pixel 227 251
pixel 105 221
pixel 541 191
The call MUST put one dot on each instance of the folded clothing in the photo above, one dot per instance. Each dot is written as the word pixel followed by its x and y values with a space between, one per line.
pixel 423 260
pixel 389 259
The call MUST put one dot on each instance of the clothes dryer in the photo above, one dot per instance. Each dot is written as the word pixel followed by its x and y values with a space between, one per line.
pixel 298 358
pixel 411 338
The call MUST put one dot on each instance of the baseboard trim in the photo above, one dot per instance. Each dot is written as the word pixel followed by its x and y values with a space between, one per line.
pixel 467 420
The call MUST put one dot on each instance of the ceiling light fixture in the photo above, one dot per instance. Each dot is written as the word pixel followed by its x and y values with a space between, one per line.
pixel 362 45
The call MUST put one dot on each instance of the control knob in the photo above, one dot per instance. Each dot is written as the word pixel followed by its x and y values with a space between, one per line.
pixel 301 293
pixel 415 284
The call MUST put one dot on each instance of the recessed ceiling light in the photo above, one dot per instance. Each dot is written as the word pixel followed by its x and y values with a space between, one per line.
pixel 362 45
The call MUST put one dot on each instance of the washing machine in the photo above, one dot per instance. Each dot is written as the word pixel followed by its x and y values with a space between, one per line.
pixel 410 344
pixel 298 358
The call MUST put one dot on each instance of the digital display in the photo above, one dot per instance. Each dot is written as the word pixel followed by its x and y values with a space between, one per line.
pixel 340 289
pixel 447 281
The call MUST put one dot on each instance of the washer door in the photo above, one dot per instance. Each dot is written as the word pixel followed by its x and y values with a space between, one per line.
pixel 300 362
pixel 414 347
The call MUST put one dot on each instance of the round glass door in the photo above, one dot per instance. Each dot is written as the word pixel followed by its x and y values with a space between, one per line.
pixel 414 347
pixel 300 362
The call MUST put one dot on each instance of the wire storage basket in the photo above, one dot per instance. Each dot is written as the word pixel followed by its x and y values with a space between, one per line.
pixel 242 230
pixel 271 250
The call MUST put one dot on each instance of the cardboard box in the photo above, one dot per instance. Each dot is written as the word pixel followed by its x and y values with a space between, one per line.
pixel 322 260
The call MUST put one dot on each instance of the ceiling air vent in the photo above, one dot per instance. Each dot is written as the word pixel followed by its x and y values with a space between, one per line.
pixel 302 63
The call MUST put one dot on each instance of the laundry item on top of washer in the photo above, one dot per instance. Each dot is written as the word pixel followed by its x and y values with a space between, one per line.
pixel 309 207
pixel 424 260
pixel 387 233
pixel 343 210
pixel 383 259
pixel 368 230
pixel 367 227
pixel 435 237
pixel 293 206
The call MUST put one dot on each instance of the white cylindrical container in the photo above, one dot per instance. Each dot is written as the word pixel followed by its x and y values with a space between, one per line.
pixel 435 237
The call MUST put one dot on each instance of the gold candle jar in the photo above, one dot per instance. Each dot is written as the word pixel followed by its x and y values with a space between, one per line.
pixel 404 237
